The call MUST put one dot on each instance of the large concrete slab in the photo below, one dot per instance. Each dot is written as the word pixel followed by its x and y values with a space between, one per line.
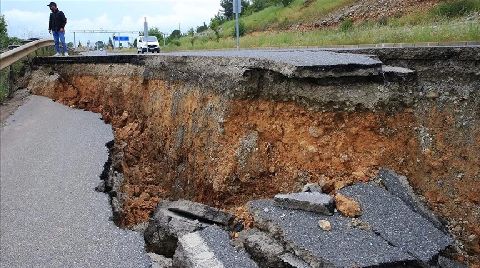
pixel 51 159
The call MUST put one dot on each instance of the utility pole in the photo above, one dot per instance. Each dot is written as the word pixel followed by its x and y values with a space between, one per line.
pixel 237 9
pixel 145 33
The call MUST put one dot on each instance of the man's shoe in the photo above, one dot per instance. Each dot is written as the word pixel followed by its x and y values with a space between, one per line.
pixel 66 54
pixel 57 55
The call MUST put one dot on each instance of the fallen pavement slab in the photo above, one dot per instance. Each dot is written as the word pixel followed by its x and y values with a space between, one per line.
pixel 173 219
pixel 210 248
pixel 394 221
pixel 200 212
pixel 343 246
pixel 398 186
pixel 265 250
pixel 164 228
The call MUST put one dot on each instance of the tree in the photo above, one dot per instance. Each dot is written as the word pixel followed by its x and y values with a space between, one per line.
pixel 70 45
pixel 3 33
pixel 175 34
pixel 135 42
pixel 156 32
pixel 227 6
pixel 215 23
pixel 110 42
pixel 241 29
pixel 99 44
pixel 202 28
pixel 79 44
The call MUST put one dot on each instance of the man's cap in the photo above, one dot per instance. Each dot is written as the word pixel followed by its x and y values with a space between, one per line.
pixel 52 4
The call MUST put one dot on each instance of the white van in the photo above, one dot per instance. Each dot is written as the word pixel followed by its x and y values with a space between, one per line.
pixel 150 45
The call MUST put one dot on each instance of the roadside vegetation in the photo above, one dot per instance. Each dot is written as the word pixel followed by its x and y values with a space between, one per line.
pixel 19 68
pixel 272 23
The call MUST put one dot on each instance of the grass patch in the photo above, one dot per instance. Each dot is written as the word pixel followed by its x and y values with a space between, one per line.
pixel 368 33
pixel 280 17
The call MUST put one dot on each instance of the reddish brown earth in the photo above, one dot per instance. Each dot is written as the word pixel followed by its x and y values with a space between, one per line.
pixel 179 141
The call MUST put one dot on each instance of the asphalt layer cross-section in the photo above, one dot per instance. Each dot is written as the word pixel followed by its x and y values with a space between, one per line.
pixel 51 158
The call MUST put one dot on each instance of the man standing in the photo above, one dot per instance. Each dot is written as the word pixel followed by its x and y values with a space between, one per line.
pixel 57 26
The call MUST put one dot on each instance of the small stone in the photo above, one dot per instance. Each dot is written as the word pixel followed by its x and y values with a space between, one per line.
pixel 457 229
pixel 472 238
pixel 357 223
pixel 271 169
pixel 315 132
pixel 325 225
pixel 100 187
pixel 348 206
pixel 432 95
pixel 312 187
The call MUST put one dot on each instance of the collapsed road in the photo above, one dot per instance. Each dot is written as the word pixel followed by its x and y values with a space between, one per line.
pixel 231 130
pixel 51 158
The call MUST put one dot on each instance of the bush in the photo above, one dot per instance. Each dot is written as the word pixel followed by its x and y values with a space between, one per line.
pixel 286 2
pixel 242 29
pixel 383 21
pixel 175 42
pixel 346 25
pixel 456 8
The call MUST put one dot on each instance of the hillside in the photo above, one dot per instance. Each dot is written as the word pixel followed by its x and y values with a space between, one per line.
pixel 345 22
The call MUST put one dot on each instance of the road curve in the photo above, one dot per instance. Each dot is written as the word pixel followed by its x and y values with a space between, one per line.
pixel 51 158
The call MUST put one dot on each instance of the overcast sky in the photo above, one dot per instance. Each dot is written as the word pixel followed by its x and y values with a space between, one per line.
pixel 28 18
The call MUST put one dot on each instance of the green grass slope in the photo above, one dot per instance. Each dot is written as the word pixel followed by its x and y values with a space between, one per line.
pixel 447 21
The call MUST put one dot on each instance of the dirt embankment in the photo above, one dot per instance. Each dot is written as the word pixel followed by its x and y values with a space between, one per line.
pixel 180 136
pixel 368 10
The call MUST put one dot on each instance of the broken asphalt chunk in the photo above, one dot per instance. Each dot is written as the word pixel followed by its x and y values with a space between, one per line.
pixel 307 201
pixel 173 219
pixel 398 186
pixel 397 223
pixel 262 248
pixel 343 246
pixel 210 248
pixel 201 212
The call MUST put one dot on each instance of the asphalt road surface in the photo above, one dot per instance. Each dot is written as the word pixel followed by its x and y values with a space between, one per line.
pixel 51 159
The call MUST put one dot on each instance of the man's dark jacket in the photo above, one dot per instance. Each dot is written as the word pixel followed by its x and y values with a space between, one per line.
pixel 57 21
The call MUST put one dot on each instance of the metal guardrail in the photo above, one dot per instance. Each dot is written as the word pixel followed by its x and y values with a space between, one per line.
pixel 14 55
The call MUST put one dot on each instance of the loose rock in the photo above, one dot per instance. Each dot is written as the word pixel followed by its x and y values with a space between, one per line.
pixel 159 261
pixel 325 225
pixel 312 187
pixel 347 206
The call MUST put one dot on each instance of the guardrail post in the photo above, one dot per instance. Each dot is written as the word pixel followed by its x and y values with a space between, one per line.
pixel 10 81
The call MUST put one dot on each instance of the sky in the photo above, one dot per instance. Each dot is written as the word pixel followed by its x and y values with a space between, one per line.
pixel 28 18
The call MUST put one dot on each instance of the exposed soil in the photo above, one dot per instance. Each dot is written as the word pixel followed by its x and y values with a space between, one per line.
pixel 180 141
